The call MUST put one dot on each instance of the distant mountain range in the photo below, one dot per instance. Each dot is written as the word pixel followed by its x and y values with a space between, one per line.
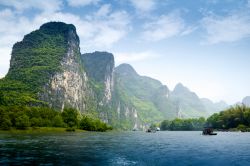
pixel 47 69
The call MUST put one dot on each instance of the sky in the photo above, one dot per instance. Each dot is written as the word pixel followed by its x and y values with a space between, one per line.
pixel 204 44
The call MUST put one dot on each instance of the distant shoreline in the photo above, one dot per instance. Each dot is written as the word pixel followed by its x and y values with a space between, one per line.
pixel 40 130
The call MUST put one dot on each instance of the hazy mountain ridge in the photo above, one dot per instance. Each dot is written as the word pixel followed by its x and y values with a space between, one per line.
pixel 47 69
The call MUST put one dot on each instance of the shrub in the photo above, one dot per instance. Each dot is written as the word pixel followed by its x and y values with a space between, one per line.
pixel 6 123
pixel 70 117
pixel 92 124
pixel 36 122
pixel 242 127
pixel 22 122
pixel 58 121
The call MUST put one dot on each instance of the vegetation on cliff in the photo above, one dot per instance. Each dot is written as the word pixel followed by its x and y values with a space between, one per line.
pixel 46 68
pixel 139 93
pixel 34 60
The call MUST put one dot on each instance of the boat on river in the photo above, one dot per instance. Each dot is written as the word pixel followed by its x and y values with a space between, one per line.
pixel 208 131
pixel 150 130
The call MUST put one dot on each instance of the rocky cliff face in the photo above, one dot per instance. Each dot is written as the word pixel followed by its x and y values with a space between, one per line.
pixel 99 67
pixel 142 99
pixel 68 86
pixel 47 68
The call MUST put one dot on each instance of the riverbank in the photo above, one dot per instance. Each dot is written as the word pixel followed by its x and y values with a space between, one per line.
pixel 39 130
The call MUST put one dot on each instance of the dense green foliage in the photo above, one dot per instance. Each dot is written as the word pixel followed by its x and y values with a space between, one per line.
pixel 22 117
pixel 34 60
pixel 92 124
pixel 70 117
pixel 183 124
pixel 234 117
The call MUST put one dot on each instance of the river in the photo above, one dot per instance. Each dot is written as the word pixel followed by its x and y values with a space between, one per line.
pixel 125 148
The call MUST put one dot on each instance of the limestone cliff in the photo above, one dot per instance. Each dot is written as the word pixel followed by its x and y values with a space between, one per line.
pixel 68 86
pixel 99 67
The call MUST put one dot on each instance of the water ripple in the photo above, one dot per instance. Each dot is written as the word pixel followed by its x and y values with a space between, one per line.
pixel 125 148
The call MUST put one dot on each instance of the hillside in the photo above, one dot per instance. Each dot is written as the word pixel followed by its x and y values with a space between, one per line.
pixel 48 69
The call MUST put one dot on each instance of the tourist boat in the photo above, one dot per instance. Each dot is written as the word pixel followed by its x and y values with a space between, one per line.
pixel 208 131
pixel 150 130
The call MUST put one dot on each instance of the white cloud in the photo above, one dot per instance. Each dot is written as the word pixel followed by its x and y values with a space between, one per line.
pixel 188 30
pixel 98 30
pixel 4 62
pixel 44 5
pixel 165 26
pixel 233 27
pixel 144 5
pixel 95 32
pixel 104 28
pixel 104 10
pixel 128 57
pixel 80 3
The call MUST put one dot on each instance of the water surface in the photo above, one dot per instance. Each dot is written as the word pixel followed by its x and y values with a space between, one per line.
pixel 125 148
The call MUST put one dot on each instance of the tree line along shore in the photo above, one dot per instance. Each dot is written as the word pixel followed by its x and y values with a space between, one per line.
pixel 236 118
pixel 23 118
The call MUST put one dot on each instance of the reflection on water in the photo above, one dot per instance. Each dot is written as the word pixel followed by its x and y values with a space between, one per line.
pixel 125 148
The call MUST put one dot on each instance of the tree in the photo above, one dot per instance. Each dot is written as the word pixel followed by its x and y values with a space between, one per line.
pixel 70 117
pixel 231 118
pixel 2 101
pixel 87 123
pixel 165 125
pixel 91 124
pixel 242 127
pixel 176 124
pixel 188 124
pixel 22 122
pixel 6 123
pixel 58 121
pixel 36 122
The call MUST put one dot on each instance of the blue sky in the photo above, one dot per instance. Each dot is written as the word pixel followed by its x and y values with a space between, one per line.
pixel 204 44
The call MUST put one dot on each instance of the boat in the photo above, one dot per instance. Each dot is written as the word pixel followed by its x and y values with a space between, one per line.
pixel 150 130
pixel 208 131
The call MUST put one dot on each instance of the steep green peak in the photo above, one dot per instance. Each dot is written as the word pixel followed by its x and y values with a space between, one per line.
pixel 126 69
pixel 68 30
pixel 180 89
pixel 38 56
pixel 99 56
pixel 98 65
pixel 57 27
